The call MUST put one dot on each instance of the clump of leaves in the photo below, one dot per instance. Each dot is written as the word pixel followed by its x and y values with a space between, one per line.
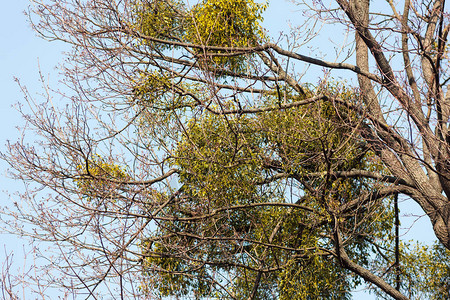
pixel 99 178
pixel 424 271
pixel 160 19
pixel 159 90
pixel 220 23
pixel 225 166
pixel 177 277
pixel 151 87
pixel 313 277
pixel 223 163
pixel 226 23
pixel 303 136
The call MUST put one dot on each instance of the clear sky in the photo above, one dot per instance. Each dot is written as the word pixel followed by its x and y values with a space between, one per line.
pixel 21 54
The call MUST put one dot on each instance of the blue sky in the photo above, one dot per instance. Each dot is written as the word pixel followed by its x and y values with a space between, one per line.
pixel 21 54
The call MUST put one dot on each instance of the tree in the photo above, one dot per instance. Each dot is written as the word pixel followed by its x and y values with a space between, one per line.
pixel 193 160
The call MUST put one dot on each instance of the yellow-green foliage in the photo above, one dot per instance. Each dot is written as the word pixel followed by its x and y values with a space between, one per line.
pixel 219 160
pixel 317 138
pixel 161 19
pixel 222 162
pixel 98 178
pixel 177 277
pixel 223 158
pixel 226 23
pixel 433 275
pixel 222 23
pixel 157 89
pixel 424 271
pixel 310 276
pixel 314 277
pixel 303 136
pixel 151 86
